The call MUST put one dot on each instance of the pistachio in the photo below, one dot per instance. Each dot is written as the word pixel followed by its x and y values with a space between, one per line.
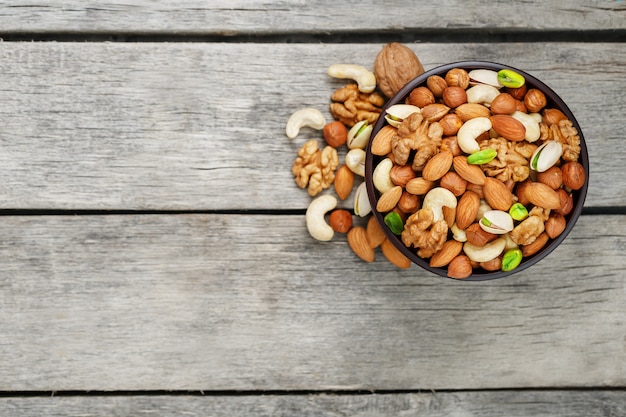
pixel 497 222
pixel 546 156
pixel 355 160
pixel 394 222
pixel 362 205
pixel 359 135
pixel 510 78
pixel 484 76
pixel 518 212
pixel 398 112
pixel 482 157
pixel 511 259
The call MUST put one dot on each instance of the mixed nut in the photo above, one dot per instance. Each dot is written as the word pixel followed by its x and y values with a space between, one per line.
pixel 474 171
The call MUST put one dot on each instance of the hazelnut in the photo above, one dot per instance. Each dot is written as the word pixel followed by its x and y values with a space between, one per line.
pixel 573 175
pixel 536 245
pixel 457 77
pixel 493 265
pixel 553 116
pixel 555 225
pixel 520 107
pixel 436 84
pixel 504 103
pixel 552 177
pixel 453 182
pixel 535 100
pixel 335 134
pixel 340 220
pixel 421 97
pixel 401 174
pixel 567 202
pixel 451 123
pixel 408 203
pixel 476 188
pixel 517 93
pixel 454 96
pixel 460 267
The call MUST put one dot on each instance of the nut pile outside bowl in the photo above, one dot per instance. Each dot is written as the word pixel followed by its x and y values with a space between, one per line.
pixel 476 170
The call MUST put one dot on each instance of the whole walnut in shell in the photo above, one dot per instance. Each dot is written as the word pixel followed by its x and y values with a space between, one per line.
pixel 394 67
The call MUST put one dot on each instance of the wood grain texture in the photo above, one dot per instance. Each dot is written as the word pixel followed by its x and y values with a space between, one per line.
pixel 557 403
pixel 201 126
pixel 226 18
pixel 236 302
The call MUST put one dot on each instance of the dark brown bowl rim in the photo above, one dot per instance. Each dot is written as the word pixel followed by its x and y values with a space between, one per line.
pixel 553 98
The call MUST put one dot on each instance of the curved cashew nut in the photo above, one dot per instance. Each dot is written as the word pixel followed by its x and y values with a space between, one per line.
pixel 315 222
pixel 362 206
pixel 382 175
pixel 307 116
pixel 533 131
pixel 436 198
pixel 355 160
pixel 458 234
pixel 467 134
pixel 482 93
pixel 484 253
pixel 365 79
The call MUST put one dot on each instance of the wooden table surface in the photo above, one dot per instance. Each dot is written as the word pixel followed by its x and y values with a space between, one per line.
pixel 155 258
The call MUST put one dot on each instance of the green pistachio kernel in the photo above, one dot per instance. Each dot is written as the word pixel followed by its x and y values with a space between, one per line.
pixel 485 221
pixel 482 157
pixel 511 259
pixel 510 78
pixel 394 222
pixel 518 211
pixel 361 129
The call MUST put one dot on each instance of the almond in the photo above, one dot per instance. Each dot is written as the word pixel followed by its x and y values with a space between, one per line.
pixel 477 236
pixel 434 112
pixel 536 245
pixel 467 209
pixel 419 186
pixel 460 267
pixel 394 255
pixel 497 194
pixel 446 254
pixel 381 144
pixel 437 166
pixel 540 194
pixel 469 111
pixel 357 240
pixel 344 181
pixel 470 173
pixel 389 199
pixel 508 127
pixel 375 233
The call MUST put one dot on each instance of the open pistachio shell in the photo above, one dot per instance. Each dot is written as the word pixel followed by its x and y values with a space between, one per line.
pixel 546 156
pixel 497 222
pixel 398 112
pixel 362 205
pixel 484 76
pixel 359 135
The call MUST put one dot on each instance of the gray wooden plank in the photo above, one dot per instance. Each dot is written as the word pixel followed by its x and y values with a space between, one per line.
pixel 201 126
pixel 238 302
pixel 557 403
pixel 288 16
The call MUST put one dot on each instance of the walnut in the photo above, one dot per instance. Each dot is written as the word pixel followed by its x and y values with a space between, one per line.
pixel 542 213
pixel 416 133
pixel 420 232
pixel 394 66
pixel 565 133
pixel 351 106
pixel 511 161
pixel 315 168
pixel 527 231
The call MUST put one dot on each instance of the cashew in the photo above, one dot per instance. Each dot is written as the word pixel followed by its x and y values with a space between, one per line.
pixel 307 116
pixel 362 206
pixel 365 79
pixel 533 132
pixel 484 253
pixel 436 198
pixel 458 234
pixel 482 209
pixel 482 93
pixel 467 134
pixel 355 160
pixel 381 175
pixel 315 222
